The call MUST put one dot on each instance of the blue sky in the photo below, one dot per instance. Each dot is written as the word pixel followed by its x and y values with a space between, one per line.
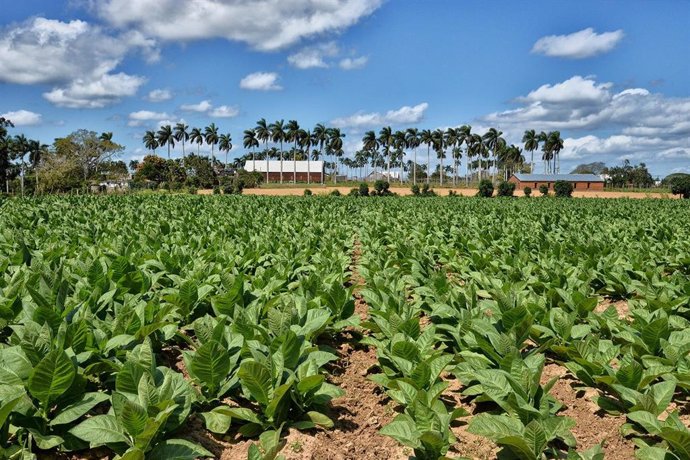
pixel 613 77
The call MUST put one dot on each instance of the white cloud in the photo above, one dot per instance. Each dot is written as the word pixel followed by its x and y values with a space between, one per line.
pixel 578 45
pixel 159 95
pixel 75 56
pixel 263 24
pixel 23 117
pixel 96 93
pixel 261 81
pixel 207 108
pixel 313 56
pixel 353 63
pixel 203 106
pixel 224 111
pixel 633 123
pixel 142 116
pixel 403 115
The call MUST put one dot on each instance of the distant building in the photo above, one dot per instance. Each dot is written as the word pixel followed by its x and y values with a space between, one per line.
pixel 579 181
pixel 383 175
pixel 313 169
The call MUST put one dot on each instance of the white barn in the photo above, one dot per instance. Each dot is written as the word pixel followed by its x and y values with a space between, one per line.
pixel 292 170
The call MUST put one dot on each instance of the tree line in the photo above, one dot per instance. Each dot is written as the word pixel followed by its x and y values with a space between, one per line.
pixel 487 154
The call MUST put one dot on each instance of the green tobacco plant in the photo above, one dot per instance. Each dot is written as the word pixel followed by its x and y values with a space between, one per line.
pixel 284 385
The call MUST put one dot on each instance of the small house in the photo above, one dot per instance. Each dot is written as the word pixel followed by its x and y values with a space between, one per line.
pixel 581 182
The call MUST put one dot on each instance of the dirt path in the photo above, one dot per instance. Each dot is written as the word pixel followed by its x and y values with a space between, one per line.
pixel 403 191
pixel 363 410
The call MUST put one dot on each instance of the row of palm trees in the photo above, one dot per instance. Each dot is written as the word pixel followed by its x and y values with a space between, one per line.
pixel 168 135
pixel 302 140
pixel 18 148
pixel 486 153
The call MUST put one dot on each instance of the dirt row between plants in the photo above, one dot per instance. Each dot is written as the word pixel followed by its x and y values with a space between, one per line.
pixel 404 191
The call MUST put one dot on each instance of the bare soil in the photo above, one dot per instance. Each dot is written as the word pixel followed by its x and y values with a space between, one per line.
pixel 621 307
pixel 593 425
pixel 404 191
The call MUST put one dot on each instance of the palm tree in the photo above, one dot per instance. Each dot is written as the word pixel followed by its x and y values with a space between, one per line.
pixel 412 141
pixel 335 146
pixel 477 148
pixel 150 141
pixel 211 138
pixel 277 130
pixel 196 136
pixel 304 139
pixel 249 141
pixel 225 145
pixel 494 141
pixel 292 135
pixel 400 145
pixel 555 146
pixel 21 148
pixel 531 140
pixel 439 146
pixel 371 145
pixel 106 137
pixel 165 137
pixel 320 138
pixel 181 135
pixel 263 134
pixel 386 140
pixel 546 154
pixel 36 151
pixel 426 137
pixel 465 136
pixel 451 138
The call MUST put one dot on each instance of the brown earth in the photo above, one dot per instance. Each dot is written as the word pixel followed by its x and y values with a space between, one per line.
pixel 320 190
pixel 621 307
pixel 593 425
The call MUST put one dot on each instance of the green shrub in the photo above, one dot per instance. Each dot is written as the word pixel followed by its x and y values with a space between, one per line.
pixel 307 192
pixel 216 190
pixel 363 189
pixel 382 188
pixel 192 190
pixel 544 189
pixel 452 193
pixel 563 189
pixel 486 188
pixel 335 192
pixel 415 189
pixel 527 191
pixel 354 191
pixel 506 188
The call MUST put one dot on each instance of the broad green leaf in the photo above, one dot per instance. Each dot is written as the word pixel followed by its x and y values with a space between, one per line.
pixel 177 449
pixel 211 364
pixel 79 408
pixel 51 377
pixel 257 379
pixel 100 430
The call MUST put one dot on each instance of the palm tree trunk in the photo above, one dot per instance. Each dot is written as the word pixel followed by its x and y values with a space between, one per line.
pixel 428 163
pixel 183 154
pixel 414 168
pixel 441 170
pixel 281 161
pixel 294 164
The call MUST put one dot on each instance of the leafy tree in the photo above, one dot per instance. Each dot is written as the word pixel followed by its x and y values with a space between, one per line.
pixel 152 168
pixel 681 186
pixel 199 171
pixel 630 175
pixel 527 191
pixel 544 189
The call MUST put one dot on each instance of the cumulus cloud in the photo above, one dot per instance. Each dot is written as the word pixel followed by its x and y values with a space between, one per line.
pixel 207 108
pixel 23 117
pixel 353 63
pixel 578 45
pixel 633 123
pixel 96 93
pixel 261 81
pixel 403 115
pixel 203 106
pixel 314 56
pixel 75 56
pixel 263 24
pixel 159 95
pixel 224 111
pixel 143 116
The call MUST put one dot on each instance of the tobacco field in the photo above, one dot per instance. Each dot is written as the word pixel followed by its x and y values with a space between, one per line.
pixel 182 327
